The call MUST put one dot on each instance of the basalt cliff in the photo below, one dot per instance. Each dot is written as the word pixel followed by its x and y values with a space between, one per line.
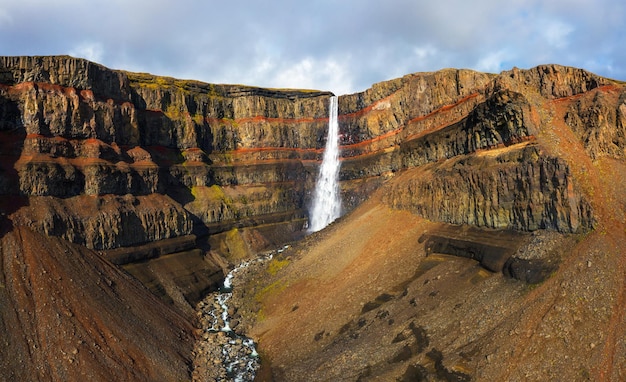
pixel 483 235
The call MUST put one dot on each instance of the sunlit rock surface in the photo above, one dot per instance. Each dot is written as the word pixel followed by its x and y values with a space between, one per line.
pixel 490 182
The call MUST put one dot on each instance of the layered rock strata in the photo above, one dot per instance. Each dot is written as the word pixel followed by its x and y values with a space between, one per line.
pixel 113 159
pixel 144 135
pixel 517 185
pixel 516 188
pixel 233 154
pixel 175 179
pixel 110 159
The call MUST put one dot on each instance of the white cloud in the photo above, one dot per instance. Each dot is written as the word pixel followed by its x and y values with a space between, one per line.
pixel 5 18
pixel 92 51
pixel 492 62
pixel 339 46
pixel 423 53
pixel 557 33
pixel 300 75
pixel 310 73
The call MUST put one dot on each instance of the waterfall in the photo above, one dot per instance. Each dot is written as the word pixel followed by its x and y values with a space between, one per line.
pixel 326 200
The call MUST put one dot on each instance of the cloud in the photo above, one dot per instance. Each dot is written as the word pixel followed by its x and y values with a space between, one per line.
pixel 492 62
pixel 310 73
pixel 340 46
pixel 91 51
pixel 556 33
pixel 5 18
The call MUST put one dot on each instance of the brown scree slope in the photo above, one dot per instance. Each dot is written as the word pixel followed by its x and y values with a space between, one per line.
pixel 485 241
pixel 69 315
pixel 378 297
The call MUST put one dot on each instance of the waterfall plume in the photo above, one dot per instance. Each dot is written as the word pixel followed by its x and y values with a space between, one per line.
pixel 326 200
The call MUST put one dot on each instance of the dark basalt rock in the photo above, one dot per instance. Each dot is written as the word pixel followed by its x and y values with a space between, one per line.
pixel 113 161
pixel 531 271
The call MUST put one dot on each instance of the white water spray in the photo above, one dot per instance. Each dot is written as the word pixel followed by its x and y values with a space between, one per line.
pixel 326 200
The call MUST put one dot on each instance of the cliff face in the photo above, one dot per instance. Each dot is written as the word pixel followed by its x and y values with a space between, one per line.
pixel 430 118
pixel 110 159
pixel 231 154
pixel 518 189
pixel 81 129
pixel 128 164
pixel 173 179
pixel 520 177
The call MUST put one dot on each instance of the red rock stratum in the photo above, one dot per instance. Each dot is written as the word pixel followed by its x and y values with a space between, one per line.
pixel 483 238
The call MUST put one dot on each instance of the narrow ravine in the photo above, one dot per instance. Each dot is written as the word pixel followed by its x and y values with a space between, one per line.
pixel 222 353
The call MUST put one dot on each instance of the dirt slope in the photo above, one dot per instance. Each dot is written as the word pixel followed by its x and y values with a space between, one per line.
pixel 67 314
pixel 364 300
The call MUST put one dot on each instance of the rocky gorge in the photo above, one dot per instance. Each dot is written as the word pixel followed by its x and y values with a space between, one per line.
pixel 509 185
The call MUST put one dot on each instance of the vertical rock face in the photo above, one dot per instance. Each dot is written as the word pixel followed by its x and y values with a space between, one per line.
pixel 87 130
pixel 109 220
pixel 116 160
pixel 600 123
pixel 508 174
pixel 67 72
pixel 460 113
pixel 518 189
pixel 138 166
pixel 231 154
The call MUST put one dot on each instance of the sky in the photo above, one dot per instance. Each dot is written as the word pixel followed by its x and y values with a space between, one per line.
pixel 343 46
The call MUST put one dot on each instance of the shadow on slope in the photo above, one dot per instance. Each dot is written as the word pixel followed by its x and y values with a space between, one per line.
pixel 69 315
pixel 366 299
pixel 12 135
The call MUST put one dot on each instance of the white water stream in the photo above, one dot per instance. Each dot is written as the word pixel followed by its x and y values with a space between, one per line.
pixel 327 200
pixel 238 353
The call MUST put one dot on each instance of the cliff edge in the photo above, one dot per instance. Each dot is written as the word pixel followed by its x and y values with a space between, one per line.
pixel 173 181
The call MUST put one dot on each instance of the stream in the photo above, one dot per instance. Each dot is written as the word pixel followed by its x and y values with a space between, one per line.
pixel 224 354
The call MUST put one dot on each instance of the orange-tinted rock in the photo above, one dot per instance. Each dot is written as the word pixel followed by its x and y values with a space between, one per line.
pixel 136 164
pixel 518 188
pixel 70 315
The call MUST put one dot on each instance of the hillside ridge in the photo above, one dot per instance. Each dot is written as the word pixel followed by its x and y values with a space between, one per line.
pixel 177 180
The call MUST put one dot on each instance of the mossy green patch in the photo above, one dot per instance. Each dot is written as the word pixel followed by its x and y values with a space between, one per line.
pixel 235 245
pixel 198 119
pixel 272 289
pixel 276 265
pixel 213 192
pixel 217 192
pixel 173 112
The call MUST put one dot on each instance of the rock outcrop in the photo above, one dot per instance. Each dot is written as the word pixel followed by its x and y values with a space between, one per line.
pixel 472 113
pixel 518 188
pixel 87 130
pixel 235 156
pixel 175 179
pixel 107 221
pixel 109 159
pixel 146 158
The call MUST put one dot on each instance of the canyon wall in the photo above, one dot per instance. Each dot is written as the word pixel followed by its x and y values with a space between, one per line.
pixel 76 128
pixel 519 189
pixel 127 163
pixel 520 177
pixel 175 180
pixel 110 159
pixel 450 119
pixel 225 156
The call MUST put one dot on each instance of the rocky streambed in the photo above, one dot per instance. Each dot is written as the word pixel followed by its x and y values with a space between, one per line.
pixel 224 353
